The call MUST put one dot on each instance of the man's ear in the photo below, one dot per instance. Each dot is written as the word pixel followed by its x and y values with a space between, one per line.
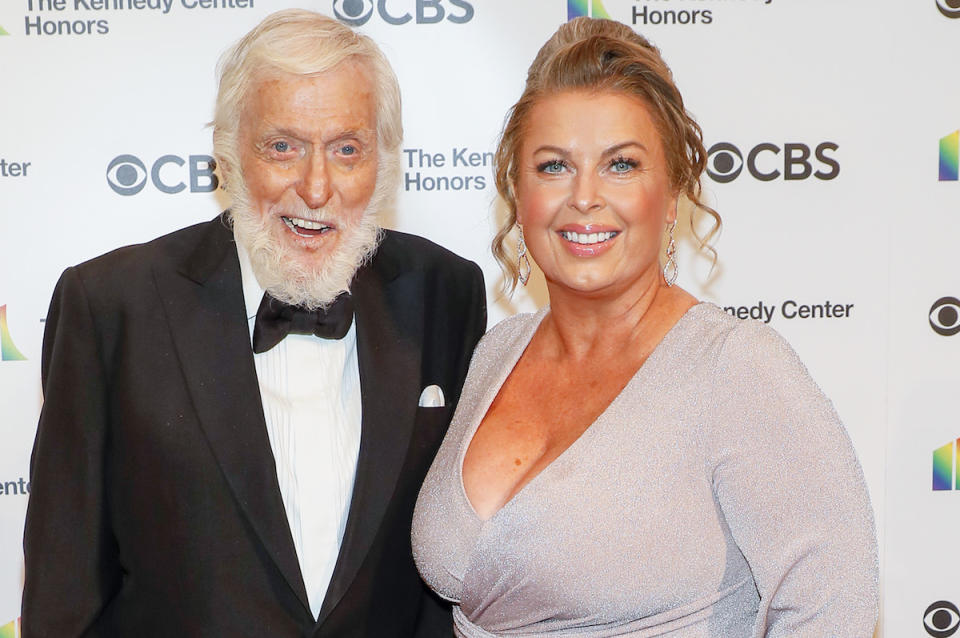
pixel 224 171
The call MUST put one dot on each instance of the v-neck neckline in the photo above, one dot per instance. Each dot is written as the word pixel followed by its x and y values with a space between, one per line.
pixel 589 432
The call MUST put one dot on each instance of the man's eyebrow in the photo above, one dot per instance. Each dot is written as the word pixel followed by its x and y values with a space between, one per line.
pixel 359 133
pixel 271 129
pixel 352 133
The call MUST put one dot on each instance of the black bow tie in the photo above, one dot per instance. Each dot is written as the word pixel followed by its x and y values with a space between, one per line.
pixel 275 320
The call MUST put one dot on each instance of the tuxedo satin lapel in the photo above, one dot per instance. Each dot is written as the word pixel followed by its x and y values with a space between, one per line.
pixel 389 338
pixel 205 308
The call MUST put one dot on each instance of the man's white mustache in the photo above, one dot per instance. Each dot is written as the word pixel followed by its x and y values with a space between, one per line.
pixel 317 215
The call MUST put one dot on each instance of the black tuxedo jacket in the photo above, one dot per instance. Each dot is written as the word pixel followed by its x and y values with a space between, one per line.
pixel 155 508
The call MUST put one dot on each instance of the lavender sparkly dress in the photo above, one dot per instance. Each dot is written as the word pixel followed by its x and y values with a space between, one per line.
pixel 717 496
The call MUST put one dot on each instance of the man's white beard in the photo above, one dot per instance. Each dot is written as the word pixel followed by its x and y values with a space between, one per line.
pixel 282 270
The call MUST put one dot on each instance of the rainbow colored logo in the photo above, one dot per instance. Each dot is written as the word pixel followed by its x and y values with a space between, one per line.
pixel 11 629
pixel 8 351
pixel 588 8
pixel 944 464
pixel 949 150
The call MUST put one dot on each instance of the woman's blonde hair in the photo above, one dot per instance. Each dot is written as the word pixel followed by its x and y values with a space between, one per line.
pixel 603 55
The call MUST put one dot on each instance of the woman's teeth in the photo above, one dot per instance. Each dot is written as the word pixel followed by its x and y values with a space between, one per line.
pixel 587 238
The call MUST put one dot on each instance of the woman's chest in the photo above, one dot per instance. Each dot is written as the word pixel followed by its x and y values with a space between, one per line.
pixel 631 530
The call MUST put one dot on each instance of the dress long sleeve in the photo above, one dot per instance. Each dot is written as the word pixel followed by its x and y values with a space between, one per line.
pixel 789 485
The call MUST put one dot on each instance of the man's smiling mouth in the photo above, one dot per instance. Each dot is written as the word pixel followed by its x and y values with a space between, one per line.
pixel 305 227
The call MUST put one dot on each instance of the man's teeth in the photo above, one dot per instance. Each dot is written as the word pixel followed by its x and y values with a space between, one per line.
pixel 295 222
pixel 587 238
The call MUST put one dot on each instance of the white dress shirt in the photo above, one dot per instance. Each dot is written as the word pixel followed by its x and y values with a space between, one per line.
pixel 310 389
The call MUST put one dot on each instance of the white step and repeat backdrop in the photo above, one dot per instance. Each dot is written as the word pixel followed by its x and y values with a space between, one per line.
pixel 832 128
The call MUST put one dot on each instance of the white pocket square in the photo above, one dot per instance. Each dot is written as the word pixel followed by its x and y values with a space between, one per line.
pixel 431 397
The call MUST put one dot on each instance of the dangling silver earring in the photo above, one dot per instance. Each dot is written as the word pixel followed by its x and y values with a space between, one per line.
pixel 670 270
pixel 523 262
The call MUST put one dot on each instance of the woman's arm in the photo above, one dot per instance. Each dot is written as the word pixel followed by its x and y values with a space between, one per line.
pixel 789 484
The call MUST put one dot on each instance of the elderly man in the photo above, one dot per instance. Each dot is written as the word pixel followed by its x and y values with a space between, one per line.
pixel 238 415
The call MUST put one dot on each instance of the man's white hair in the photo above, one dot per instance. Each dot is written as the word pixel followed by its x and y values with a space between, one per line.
pixel 302 42
pixel 305 43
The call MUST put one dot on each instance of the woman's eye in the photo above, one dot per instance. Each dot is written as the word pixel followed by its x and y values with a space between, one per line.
pixel 552 167
pixel 622 165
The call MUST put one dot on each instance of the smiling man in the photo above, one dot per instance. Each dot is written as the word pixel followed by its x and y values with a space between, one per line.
pixel 238 415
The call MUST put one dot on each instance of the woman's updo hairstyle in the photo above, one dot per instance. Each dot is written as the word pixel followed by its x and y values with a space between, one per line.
pixel 603 56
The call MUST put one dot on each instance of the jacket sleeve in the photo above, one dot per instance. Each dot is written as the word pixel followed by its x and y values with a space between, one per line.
pixel 476 312
pixel 791 490
pixel 71 564
pixel 435 619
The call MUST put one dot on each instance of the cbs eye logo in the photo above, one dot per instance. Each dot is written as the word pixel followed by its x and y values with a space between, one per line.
pixel 949 8
pixel 353 12
pixel 128 175
pixel 767 161
pixel 945 316
pixel 941 619
pixel 357 12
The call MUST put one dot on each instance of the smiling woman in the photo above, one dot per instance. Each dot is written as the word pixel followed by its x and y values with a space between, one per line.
pixel 634 71
pixel 593 187
pixel 629 461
